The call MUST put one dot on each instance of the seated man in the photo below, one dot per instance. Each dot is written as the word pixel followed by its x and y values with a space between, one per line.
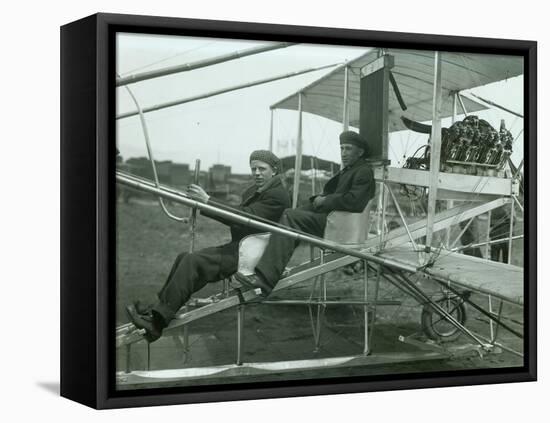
pixel 349 190
pixel 266 199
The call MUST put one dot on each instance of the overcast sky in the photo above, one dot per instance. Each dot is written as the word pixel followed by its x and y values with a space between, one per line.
pixel 226 128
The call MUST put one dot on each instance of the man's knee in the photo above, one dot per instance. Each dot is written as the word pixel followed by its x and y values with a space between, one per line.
pixel 289 216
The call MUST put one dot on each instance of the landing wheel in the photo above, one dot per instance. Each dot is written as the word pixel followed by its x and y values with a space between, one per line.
pixel 437 327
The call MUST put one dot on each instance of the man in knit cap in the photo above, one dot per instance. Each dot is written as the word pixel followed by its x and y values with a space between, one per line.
pixel 349 190
pixel 266 198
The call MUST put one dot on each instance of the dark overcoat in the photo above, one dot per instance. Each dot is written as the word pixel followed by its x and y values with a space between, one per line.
pixel 265 203
pixel 349 190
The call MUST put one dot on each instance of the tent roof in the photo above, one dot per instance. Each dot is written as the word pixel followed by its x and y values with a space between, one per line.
pixel 413 72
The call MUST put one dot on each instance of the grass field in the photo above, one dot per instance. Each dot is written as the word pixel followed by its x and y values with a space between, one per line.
pixel 148 242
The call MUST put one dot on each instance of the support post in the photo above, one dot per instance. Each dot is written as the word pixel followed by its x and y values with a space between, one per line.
pixel 128 358
pixel 240 327
pixel 453 118
pixel 313 174
pixel 461 104
pixel 512 208
pixel 450 203
pixel 491 324
pixel 298 161
pixel 488 237
pixel 271 132
pixel 320 307
pixel 435 150
pixel 193 219
pixel 366 348
pixel 345 111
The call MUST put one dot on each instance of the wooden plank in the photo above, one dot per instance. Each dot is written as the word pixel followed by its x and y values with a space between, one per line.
pixel 471 184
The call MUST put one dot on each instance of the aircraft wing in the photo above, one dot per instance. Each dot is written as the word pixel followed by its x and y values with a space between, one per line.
pixel 413 72
pixel 500 280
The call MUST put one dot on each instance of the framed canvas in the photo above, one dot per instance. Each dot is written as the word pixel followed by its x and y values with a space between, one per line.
pixel 258 211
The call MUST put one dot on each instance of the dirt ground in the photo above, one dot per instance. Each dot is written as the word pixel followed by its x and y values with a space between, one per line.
pixel 148 242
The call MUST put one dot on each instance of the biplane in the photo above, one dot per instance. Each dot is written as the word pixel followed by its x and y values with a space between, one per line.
pixel 408 237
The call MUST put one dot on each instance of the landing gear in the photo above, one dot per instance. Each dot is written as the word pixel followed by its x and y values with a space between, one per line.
pixel 436 326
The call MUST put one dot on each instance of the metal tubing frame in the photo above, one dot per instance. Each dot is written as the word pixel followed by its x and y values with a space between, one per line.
pixel 491 316
pixel 498 106
pixel 345 112
pixel 240 337
pixel 488 236
pixel 464 229
pixel 518 203
pixel 151 158
pixel 375 302
pixel 321 306
pixel 298 159
pixel 480 244
pixel 382 216
pixel 491 323
pixel 193 218
pixel 498 325
pixel 512 208
pixel 214 93
pixel 435 149
pixel 332 302
pixel 400 212
pixel 438 309
pixel 143 76
pixel 366 346
pixel 458 96
pixel 271 131
pixel 258 224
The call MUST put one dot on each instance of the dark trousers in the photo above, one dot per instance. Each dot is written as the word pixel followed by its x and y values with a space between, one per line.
pixel 280 248
pixel 496 249
pixel 191 272
pixel 499 232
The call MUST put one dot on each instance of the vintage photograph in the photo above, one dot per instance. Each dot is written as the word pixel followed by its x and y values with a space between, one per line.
pixel 290 211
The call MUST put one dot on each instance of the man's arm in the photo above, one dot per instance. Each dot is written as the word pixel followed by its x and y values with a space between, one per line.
pixel 270 207
pixel 355 199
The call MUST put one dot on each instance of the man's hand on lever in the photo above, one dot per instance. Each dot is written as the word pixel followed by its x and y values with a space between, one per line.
pixel 197 193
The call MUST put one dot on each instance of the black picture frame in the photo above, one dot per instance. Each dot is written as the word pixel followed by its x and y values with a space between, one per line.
pixel 88 196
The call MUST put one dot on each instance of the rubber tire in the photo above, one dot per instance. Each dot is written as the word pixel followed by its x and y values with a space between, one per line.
pixel 429 315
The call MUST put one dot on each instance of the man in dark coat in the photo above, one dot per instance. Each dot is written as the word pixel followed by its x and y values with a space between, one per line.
pixel 349 190
pixel 266 199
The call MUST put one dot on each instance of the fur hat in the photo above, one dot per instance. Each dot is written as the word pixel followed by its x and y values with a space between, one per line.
pixel 350 137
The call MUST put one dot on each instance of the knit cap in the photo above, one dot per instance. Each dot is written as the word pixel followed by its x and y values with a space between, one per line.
pixel 265 156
